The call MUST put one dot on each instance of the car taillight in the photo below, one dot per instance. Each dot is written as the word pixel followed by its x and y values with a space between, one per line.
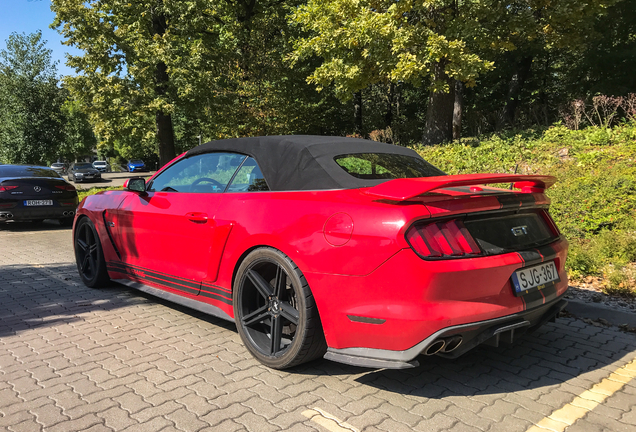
pixel 66 187
pixel 442 239
pixel 6 188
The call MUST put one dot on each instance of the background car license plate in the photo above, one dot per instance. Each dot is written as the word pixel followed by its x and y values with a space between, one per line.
pixel 534 278
pixel 38 202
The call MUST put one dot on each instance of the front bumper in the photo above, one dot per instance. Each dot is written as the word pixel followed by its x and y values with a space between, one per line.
pixel 89 178
pixel 490 332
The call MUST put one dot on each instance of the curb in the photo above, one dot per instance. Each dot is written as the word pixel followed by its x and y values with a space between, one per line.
pixel 595 311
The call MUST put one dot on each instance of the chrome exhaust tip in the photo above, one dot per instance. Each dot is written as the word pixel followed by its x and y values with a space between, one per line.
pixel 6 216
pixel 452 343
pixel 435 347
pixel 68 213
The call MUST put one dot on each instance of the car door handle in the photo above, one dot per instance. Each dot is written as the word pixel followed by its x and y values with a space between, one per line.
pixel 197 217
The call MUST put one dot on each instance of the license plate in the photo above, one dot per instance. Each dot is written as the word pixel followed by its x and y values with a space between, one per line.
pixel 38 202
pixel 534 278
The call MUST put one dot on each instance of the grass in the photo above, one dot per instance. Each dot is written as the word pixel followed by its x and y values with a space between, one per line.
pixel 594 200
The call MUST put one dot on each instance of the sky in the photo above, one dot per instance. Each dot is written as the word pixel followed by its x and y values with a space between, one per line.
pixel 29 16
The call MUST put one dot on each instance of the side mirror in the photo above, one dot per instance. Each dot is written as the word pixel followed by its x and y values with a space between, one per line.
pixel 137 184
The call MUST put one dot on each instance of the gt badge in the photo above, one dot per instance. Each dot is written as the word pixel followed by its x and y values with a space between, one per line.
pixel 519 230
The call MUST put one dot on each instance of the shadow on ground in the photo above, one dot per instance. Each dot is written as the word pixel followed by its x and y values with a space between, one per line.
pixel 46 225
pixel 37 296
pixel 51 295
pixel 553 355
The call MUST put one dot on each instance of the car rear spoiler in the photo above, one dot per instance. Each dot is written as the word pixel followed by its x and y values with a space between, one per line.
pixel 407 188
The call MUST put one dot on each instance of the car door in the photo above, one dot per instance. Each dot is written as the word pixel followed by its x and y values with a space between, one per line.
pixel 165 235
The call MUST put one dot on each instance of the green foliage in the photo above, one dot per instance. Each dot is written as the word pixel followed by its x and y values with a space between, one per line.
pixel 32 124
pixel 370 41
pixel 79 138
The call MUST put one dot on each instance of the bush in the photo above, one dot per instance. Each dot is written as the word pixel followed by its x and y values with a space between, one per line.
pixel 83 193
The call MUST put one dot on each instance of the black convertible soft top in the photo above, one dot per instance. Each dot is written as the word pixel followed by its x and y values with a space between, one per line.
pixel 304 162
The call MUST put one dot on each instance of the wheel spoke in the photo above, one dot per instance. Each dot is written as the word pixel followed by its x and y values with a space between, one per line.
pixel 289 313
pixel 82 245
pixel 276 333
pixel 91 263
pixel 85 262
pixel 279 282
pixel 261 284
pixel 259 315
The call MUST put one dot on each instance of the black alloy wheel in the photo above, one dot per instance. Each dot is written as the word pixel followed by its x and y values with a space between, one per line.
pixel 275 311
pixel 89 255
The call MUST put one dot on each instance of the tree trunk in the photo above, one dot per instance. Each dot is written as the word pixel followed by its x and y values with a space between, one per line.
pixel 357 112
pixel 515 86
pixel 165 132
pixel 458 110
pixel 388 115
pixel 439 115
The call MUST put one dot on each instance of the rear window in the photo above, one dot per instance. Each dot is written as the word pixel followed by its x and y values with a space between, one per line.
pixel 27 171
pixel 385 166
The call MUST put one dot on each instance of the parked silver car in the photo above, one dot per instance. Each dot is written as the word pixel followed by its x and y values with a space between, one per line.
pixel 101 166
pixel 59 167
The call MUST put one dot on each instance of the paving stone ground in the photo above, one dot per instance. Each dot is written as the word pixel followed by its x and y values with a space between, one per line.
pixel 78 359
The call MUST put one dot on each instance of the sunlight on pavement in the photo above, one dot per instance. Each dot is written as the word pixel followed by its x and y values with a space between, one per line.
pixel 560 419
pixel 328 421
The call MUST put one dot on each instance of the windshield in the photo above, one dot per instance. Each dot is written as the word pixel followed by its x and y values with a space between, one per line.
pixel 27 171
pixel 83 166
pixel 57 165
pixel 380 166
pixel 99 163
pixel 136 162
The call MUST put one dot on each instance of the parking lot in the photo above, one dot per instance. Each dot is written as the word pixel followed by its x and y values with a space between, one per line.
pixel 74 358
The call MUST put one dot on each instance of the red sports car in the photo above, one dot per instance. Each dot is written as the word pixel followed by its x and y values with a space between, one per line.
pixel 354 250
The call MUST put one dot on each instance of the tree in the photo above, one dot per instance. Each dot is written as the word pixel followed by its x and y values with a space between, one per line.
pixel 433 43
pixel 32 126
pixel 79 138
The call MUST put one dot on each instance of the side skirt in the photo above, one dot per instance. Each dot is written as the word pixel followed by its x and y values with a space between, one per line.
pixel 174 298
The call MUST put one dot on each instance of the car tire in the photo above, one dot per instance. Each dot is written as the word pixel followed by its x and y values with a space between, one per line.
pixel 89 255
pixel 275 311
